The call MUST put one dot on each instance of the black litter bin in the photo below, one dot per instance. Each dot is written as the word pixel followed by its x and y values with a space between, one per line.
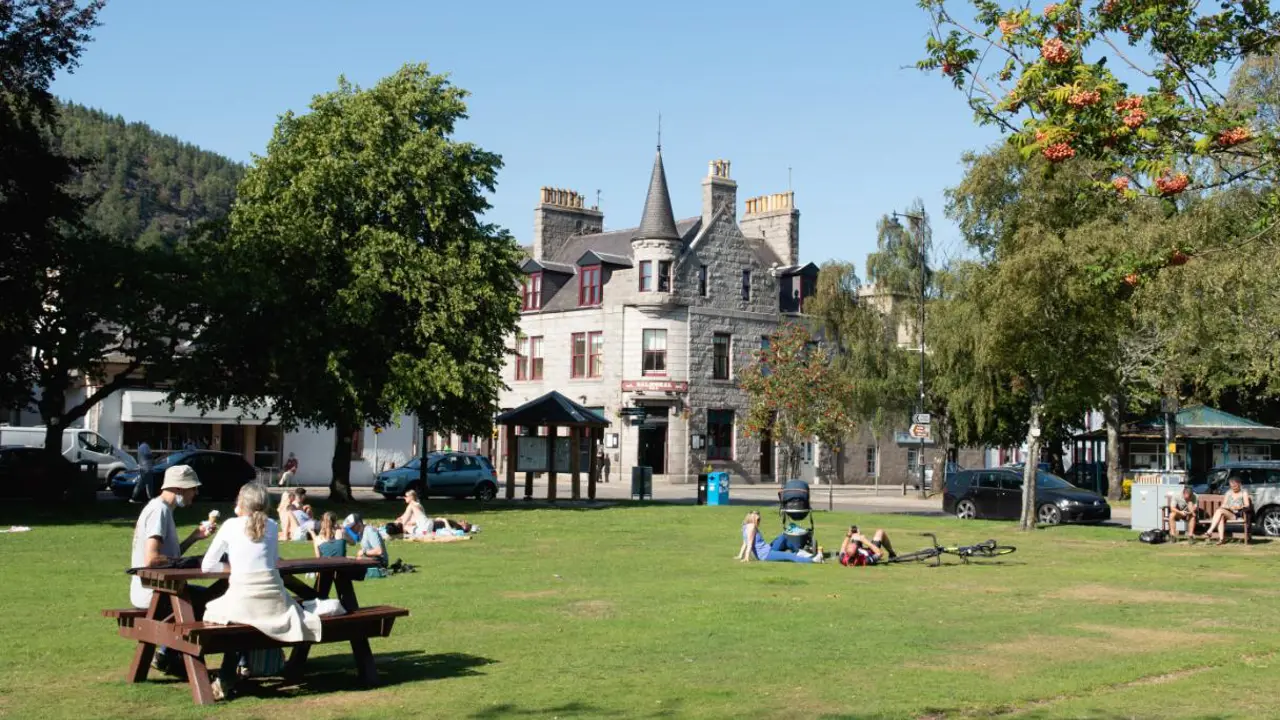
pixel 84 484
pixel 702 489
pixel 641 482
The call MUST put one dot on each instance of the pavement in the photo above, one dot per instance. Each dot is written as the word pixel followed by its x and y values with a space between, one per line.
pixel 847 498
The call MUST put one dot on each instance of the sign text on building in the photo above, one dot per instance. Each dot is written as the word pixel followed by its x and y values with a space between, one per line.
pixel 655 386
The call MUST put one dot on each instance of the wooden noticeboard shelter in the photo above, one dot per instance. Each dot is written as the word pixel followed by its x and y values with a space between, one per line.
pixel 533 453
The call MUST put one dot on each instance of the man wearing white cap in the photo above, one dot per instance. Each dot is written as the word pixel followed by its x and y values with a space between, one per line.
pixel 155 537
pixel 369 543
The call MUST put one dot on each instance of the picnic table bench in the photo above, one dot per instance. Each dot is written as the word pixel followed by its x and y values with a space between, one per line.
pixel 180 631
pixel 1206 506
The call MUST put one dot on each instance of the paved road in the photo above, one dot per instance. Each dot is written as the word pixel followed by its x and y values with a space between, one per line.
pixel 840 497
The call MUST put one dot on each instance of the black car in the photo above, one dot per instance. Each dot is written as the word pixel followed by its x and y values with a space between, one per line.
pixel 997 493
pixel 221 473
pixel 27 472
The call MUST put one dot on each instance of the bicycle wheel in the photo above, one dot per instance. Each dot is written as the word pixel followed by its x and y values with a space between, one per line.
pixel 918 556
pixel 994 550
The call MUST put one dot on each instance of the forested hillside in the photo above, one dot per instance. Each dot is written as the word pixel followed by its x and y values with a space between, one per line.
pixel 152 186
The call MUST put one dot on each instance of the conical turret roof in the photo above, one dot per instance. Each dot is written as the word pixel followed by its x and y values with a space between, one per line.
pixel 658 222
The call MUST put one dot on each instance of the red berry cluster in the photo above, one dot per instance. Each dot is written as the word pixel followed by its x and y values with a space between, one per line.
pixel 1172 184
pixel 1130 103
pixel 1234 136
pixel 1120 184
pixel 1084 98
pixel 1131 279
pixel 1050 9
pixel 1108 6
pixel 1178 258
pixel 1134 118
pixel 1008 26
pixel 1054 51
pixel 1058 152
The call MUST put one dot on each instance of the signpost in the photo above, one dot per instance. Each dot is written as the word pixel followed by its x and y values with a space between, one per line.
pixel 921 431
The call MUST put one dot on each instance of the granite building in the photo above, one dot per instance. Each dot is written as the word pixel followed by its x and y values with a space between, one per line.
pixel 650 325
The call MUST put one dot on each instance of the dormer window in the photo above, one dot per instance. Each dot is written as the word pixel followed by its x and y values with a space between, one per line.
pixel 590 291
pixel 664 276
pixel 531 292
pixel 646 276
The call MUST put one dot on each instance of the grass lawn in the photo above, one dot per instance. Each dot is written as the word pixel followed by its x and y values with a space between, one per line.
pixel 640 611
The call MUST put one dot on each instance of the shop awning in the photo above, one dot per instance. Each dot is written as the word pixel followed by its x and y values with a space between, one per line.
pixel 153 406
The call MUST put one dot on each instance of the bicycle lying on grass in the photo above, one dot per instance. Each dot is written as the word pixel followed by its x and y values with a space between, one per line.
pixel 985 549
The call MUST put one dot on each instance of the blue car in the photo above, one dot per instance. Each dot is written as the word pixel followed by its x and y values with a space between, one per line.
pixel 451 474
pixel 221 473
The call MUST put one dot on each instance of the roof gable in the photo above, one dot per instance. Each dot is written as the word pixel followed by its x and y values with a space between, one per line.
pixel 551 409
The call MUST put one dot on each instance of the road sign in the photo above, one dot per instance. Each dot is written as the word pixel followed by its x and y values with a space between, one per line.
pixel 920 431
pixel 921 418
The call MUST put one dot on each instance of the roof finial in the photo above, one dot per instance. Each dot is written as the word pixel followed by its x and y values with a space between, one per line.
pixel 659 131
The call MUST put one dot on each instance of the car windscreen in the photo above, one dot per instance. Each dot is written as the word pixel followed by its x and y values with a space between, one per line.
pixel 1051 481
pixel 413 464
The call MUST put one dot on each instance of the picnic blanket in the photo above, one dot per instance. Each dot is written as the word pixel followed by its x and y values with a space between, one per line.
pixel 435 538
pixel 259 599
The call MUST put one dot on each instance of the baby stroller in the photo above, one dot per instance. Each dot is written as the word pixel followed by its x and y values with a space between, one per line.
pixel 796 516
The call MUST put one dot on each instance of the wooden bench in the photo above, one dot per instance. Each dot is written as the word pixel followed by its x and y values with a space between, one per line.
pixel 1206 506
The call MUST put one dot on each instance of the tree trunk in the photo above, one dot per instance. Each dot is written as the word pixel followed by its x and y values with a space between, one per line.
pixel 1113 416
pixel 340 484
pixel 1028 519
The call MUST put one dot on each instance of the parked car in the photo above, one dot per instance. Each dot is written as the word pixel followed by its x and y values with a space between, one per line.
pixel 221 473
pixel 997 493
pixel 448 475
pixel 1259 478
pixel 78 445
pixel 27 472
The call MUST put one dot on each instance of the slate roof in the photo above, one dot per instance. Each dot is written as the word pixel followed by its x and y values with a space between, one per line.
pixel 658 222
pixel 1196 422
pixel 551 409
pixel 617 242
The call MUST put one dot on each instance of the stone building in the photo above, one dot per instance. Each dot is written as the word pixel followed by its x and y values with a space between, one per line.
pixel 650 325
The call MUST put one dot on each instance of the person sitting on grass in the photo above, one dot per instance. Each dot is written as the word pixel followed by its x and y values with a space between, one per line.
pixel 1236 504
pixel 329 540
pixel 413 520
pixel 753 544
pixel 857 549
pixel 370 544
pixel 1183 507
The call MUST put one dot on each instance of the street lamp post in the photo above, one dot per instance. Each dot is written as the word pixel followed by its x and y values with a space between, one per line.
pixel 918 224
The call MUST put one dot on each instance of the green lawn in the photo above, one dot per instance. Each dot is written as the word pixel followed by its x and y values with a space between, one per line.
pixel 640 611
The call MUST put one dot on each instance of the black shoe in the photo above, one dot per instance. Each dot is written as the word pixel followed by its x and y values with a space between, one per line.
pixel 168 666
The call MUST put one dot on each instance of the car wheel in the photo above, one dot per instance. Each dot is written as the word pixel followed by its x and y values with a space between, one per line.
pixel 966 510
pixel 1049 515
pixel 1270 522
pixel 111 476
pixel 486 492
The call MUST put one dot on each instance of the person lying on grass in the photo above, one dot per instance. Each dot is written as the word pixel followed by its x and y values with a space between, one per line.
pixel 857 549
pixel 753 544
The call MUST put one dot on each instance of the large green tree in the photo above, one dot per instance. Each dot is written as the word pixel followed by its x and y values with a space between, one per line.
pixel 360 280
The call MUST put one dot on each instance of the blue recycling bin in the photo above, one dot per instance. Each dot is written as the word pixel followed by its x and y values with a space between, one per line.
pixel 718 488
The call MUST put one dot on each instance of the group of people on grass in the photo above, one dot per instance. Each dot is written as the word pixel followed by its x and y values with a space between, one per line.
pixel 856 549
pixel 1185 506
pixel 248 544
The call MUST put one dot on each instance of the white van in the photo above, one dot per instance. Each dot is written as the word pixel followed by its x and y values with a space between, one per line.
pixel 78 445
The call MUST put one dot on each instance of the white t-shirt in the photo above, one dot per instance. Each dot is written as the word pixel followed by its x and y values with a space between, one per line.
pixel 243 554
pixel 156 521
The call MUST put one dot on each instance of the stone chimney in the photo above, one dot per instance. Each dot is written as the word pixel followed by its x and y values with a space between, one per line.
pixel 718 190
pixel 775 220
pixel 560 215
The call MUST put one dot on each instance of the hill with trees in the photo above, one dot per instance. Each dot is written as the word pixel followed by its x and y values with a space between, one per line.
pixel 149 186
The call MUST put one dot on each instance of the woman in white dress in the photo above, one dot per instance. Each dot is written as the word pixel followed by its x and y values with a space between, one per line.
pixel 255 594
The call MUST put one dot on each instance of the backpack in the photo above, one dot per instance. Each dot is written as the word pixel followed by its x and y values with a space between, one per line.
pixel 1153 537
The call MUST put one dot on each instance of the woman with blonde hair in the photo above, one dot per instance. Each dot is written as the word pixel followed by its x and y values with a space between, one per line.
pixel 256 595
pixel 329 540
pixel 754 545
pixel 414 519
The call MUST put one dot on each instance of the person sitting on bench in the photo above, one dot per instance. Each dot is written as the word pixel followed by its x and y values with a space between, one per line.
pixel 256 594
pixel 753 544
pixel 1183 507
pixel 1236 505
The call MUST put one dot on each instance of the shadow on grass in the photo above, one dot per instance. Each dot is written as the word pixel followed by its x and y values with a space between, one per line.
pixel 668 708
pixel 335 673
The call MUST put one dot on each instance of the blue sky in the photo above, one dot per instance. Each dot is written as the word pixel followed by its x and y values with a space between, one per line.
pixel 568 93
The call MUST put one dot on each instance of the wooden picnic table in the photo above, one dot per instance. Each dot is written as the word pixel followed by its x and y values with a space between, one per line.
pixel 182 633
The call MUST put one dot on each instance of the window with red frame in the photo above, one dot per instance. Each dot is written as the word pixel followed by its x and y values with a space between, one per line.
pixel 589 288
pixel 578 348
pixel 522 358
pixel 531 292
pixel 646 275
pixel 654 348
pixel 535 358
pixel 595 362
